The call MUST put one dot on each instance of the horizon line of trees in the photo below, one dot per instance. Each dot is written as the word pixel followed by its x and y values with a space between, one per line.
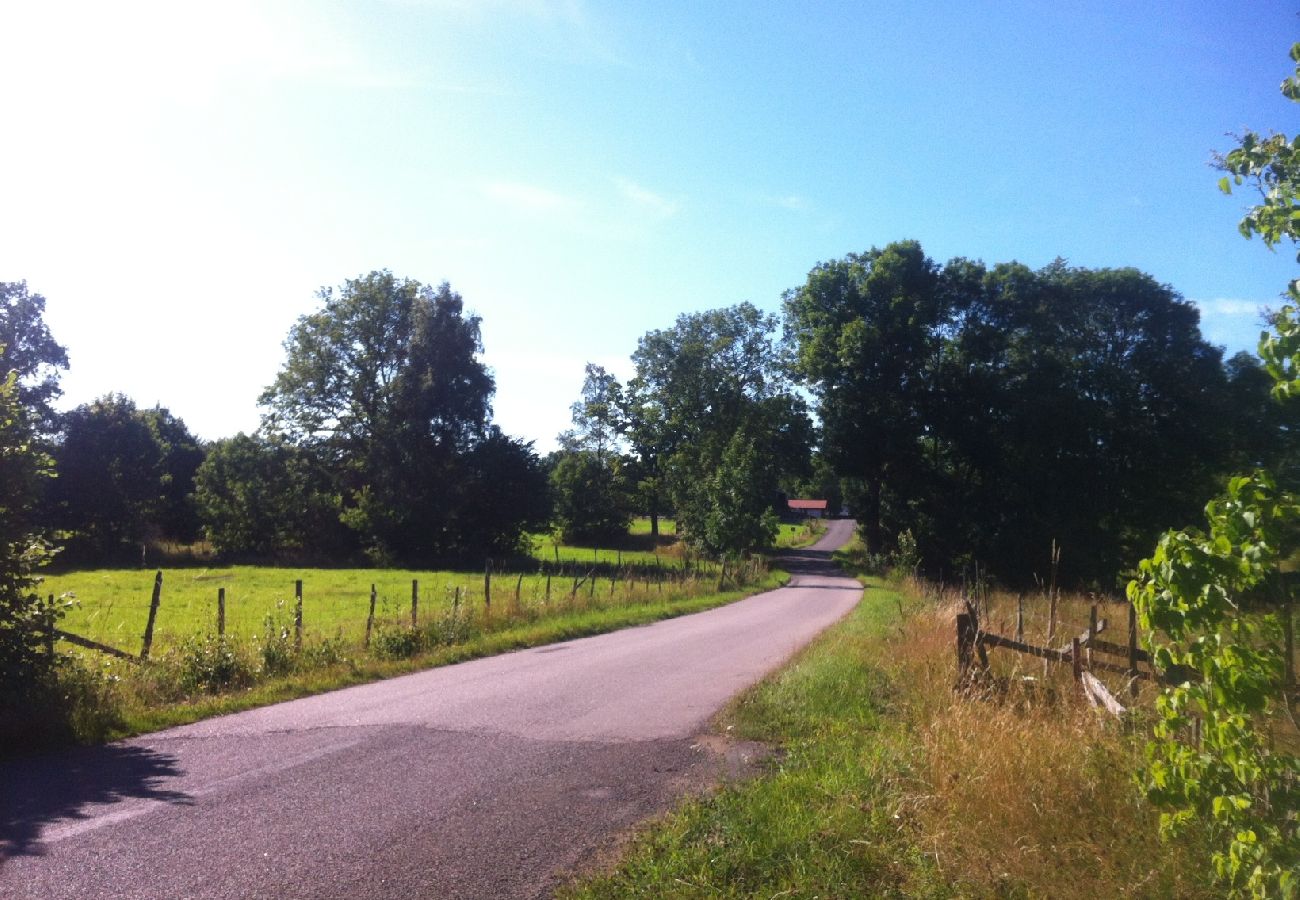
pixel 987 410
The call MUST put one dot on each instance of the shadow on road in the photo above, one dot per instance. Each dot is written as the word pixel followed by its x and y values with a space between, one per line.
pixel 809 562
pixel 36 792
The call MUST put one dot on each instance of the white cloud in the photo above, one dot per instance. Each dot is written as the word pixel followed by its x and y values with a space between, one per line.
pixel 1229 307
pixel 792 202
pixel 656 204
pixel 530 198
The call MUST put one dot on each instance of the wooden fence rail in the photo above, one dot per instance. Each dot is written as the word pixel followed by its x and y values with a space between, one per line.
pixel 652 575
pixel 1079 653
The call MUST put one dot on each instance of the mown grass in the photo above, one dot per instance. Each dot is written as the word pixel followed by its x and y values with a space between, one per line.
pixel 889 783
pixel 112 605
pixel 793 535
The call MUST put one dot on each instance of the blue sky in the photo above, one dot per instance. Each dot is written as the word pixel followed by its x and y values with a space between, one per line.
pixel 179 179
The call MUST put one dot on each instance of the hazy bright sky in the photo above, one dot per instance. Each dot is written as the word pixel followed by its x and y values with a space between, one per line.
pixel 179 178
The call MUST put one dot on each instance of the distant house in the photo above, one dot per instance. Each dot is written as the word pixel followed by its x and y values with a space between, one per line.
pixel 807 509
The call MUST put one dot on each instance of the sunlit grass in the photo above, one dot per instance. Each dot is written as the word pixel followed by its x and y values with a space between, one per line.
pixel 890 783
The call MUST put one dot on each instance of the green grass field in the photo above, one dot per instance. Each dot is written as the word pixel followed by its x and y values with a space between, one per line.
pixel 112 605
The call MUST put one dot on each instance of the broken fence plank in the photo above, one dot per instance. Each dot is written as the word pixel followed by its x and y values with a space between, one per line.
pixel 1098 695
pixel 94 645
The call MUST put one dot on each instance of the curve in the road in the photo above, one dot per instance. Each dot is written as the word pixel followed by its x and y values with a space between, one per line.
pixel 485 779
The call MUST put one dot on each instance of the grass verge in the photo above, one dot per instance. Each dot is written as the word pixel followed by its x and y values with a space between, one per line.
pixel 888 783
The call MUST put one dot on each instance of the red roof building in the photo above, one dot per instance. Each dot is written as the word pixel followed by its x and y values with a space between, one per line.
pixel 812 509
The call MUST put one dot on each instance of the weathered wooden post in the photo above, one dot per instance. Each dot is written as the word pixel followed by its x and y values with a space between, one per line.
pixel 297 614
pixel 455 603
pixel 370 617
pixel 1020 617
pixel 548 588
pixel 965 647
pixel 49 628
pixel 153 615
pixel 415 602
pixel 1092 632
pixel 487 585
pixel 1132 651
pixel 1076 658
pixel 221 612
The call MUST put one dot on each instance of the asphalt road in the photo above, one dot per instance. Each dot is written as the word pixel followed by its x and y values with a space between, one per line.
pixel 493 778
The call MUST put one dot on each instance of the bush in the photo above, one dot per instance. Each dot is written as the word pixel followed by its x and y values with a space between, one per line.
pixel 397 643
pixel 211 663
pixel 279 655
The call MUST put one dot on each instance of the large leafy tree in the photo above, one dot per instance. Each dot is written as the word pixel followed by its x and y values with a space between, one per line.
pixel 125 476
pixel 25 668
pixel 263 497
pixel 384 386
pixel 1077 405
pixel 707 392
pixel 109 485
pixel 588 477
pixel 866 329
pixel 30 351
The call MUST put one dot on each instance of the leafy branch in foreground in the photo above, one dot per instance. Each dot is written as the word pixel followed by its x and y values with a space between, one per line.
pixel 1214 606
pixel 1200 599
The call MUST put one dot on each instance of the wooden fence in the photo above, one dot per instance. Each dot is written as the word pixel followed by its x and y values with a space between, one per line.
pixel 1085 652
pixel 651 576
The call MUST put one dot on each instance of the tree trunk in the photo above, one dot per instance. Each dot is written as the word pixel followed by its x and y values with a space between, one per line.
pixel 875 538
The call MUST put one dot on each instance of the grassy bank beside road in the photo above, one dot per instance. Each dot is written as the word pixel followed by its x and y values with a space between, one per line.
pixel 888 783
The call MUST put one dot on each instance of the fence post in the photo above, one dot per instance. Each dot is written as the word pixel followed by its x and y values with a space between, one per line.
pixel 455 603
pixel 548 588
pixel 49 628
pixel 221 612
pixel 1020 616
pixel 1076 659
pixel 415 602
pixel 370 619
pixel 1092 632
pixel 965 646
pixel 1132 651
pixel 153 615
pixel 297 614
pixel 518 586
pixel 487 585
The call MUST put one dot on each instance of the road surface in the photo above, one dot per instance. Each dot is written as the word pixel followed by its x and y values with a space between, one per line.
pixel 492 778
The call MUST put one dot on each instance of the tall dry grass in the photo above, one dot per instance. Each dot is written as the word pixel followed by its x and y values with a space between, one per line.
pixel 1021 787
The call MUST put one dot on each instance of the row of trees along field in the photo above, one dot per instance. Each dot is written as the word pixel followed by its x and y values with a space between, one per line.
pixel 991 410
pixel 377 439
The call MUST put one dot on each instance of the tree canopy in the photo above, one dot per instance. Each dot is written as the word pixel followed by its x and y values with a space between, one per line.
pixel 993 410
pixel 383 385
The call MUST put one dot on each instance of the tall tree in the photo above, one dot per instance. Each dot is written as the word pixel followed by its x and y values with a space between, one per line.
pixel 109 485
pixel 588 477
pixel 25 668
pixel 383 383
pixel 31 351
pixel 711 380
pixel 866 328
pixel 265 497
